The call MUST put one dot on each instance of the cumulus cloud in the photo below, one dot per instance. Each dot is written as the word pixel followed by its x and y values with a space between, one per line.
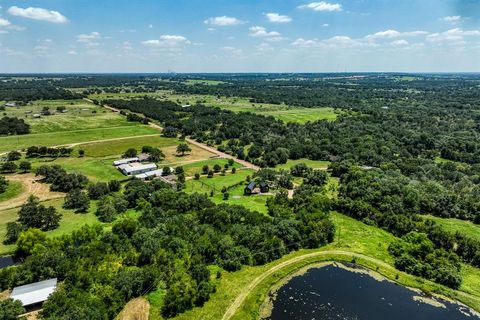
pixel 167 40
pixel 277 18
pixel 322 6
pixel 223 21
pixel 4 23
pixel 38 14
pixel 399 43
pixel 85 38
pixel 261 32
pixel 389 34
pixel 452 19
pixel 452 35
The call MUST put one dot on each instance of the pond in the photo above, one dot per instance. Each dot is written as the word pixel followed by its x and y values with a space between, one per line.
pixel 341 292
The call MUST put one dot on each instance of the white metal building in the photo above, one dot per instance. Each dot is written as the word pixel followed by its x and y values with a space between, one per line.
pixel 124 161
pixel 135 168
pixel 154 173
pixel 34 292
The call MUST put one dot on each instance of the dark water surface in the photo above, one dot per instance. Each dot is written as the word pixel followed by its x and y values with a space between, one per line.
pixel 335 293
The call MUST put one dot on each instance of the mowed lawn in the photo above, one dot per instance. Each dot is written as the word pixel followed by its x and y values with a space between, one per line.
pixel 453 225
pixel 118 147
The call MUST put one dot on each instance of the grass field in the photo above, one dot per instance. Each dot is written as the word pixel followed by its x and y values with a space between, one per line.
pixel 311 163
pixel 201 81
pixel 236 104
pixel 94 169
pixel 82 122
pixel 235 184
pixel 70 221
pixel 118 147
pixel 196 167
pixel 8 143
pixel 453 225
pixel 14 189
pixel 80 115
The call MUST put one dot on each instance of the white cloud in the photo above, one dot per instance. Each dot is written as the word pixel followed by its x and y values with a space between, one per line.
pixel 452 19
pixel 452 35
pixel 322 6
pixel 38 14
pixel 325 25
pixel 223 21
pixel 264 48
pixel 261 32
pixel 4 23
pixel 399 43
pixel 304 43
pixel 167 41
pixel 277 18
pixel 232 51
pixel 85 38
pixel 72 52
pixel 389 34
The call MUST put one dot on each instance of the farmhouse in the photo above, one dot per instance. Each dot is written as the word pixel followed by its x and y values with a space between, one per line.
pixel 124 161
pixel 34 293
pixel 135 168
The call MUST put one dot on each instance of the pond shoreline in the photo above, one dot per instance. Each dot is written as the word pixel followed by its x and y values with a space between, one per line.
pixel 429 298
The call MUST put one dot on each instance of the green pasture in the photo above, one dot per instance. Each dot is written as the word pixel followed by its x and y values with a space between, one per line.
pixel 468 228
pixel 14 189
pixel 8 143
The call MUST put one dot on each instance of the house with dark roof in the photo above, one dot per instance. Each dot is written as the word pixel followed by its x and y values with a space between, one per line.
pixel 250 188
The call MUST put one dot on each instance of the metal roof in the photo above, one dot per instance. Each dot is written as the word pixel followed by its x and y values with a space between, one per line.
pixel 157 173
pixel 34 292
pixel 124 161
pixel 147 166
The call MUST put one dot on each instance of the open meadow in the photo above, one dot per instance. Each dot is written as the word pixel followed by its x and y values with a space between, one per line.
pixel 82 122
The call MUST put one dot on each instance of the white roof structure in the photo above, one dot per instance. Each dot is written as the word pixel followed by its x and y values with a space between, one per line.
pixel 34 292
pixel 124 161
pixel 137 167
pixel 156 173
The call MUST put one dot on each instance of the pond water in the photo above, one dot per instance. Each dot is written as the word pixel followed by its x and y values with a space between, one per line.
pixel 333 292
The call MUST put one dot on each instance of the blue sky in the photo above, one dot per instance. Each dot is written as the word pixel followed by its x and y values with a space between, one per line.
pixel 239 35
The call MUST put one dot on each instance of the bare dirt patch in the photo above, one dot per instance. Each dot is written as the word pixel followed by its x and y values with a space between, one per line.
pixel 31 186
pixel 136 309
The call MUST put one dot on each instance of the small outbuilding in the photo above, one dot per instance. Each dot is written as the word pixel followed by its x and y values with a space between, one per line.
pixel 264 188
pixel 249 188
pixel 34 293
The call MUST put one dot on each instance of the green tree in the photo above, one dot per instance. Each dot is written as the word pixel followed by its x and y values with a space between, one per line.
pixel 25 166
pixel 183 148
pixel 9 167
pixel 14 156
pixel 78 200
pixel 3 184
pixel 13 232
pixel 10 309
pixel 28 240
pixel 32 214
pixel 130 153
